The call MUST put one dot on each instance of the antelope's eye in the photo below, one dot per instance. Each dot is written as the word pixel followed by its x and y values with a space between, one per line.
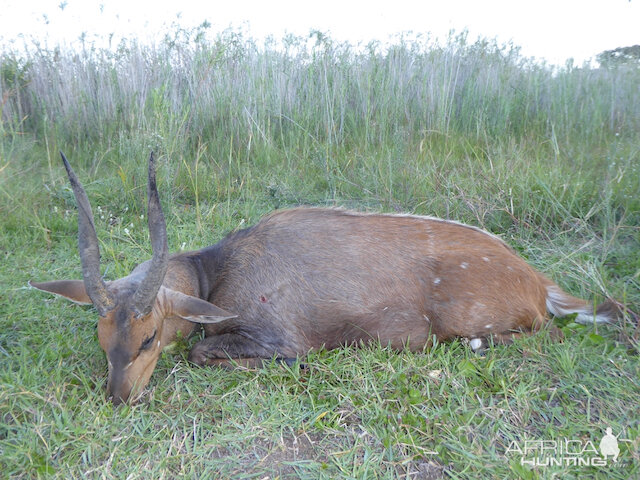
pixel 146 344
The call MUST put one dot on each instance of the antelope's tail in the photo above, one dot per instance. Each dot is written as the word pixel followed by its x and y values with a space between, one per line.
pixel 560 303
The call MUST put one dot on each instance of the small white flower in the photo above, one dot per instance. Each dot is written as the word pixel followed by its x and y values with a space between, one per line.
pixel 131 225
pixel 126 231
pixel 142 217
pixel 184 244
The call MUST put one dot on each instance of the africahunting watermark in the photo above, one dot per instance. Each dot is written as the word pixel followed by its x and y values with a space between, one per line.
pixel 567 452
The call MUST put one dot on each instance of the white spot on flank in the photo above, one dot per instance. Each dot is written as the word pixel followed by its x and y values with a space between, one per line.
pixel 489 325
pixel 485 259
pixel 475 343
pixel 158 343
pixel 464 265
pixel 436 281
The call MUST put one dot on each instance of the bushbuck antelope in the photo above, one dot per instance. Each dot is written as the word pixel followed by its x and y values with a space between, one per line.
pixel 308 278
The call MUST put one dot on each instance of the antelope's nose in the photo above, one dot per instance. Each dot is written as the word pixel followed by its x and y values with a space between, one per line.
pixel 117 396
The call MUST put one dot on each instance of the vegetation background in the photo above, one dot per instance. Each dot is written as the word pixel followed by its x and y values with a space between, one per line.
pixel 547 158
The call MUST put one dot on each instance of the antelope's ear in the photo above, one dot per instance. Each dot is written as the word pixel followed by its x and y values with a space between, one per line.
pixel 194 309
pixel 71 289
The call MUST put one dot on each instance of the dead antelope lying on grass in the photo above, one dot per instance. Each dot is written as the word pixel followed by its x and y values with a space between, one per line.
pixel 308 278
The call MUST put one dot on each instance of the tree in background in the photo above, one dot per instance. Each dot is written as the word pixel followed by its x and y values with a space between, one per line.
pixel 620 56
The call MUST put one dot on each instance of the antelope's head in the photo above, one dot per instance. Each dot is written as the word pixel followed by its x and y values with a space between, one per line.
pixel 132 310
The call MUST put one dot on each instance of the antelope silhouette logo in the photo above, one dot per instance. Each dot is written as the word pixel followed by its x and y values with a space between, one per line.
pixel 609 445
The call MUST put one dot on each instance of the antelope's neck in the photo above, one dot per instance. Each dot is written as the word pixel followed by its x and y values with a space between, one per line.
pixel 184 275
pixel 205 268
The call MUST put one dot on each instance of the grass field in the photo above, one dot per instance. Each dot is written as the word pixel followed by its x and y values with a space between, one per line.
pixel 548 159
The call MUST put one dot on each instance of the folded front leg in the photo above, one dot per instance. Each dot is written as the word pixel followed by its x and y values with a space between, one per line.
pixel 219 349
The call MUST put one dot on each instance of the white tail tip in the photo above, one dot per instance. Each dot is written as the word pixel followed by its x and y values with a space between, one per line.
pixel 561 304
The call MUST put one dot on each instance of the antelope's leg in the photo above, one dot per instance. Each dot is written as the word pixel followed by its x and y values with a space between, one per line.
pixel 479 344
pixel 211 350
pixel 232 363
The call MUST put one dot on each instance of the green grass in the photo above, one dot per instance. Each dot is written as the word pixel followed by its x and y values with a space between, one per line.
pixel 547 159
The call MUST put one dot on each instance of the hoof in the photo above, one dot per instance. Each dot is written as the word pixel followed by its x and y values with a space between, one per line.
pixel 198 356
pixel 291 362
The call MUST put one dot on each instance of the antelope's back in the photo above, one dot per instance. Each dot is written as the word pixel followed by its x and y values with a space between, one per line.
pixel 330 276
